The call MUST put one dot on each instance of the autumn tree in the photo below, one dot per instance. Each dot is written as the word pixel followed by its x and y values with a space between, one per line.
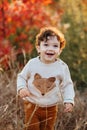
pixel 74 25
pixel 20 21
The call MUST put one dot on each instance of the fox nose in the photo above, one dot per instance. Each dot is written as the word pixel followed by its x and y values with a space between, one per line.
pixel 43 94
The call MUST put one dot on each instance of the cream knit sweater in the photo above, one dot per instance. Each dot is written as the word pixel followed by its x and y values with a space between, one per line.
pixel 49 84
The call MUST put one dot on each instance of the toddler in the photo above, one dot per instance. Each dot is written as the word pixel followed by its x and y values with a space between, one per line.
pixel 45 82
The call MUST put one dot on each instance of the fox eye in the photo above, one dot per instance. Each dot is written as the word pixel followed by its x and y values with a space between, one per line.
pixel 39 86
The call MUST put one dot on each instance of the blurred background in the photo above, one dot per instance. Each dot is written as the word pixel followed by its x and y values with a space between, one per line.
pixel 20 22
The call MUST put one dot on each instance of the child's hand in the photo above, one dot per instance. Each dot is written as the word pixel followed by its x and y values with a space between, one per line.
pixel 24 93
pixel 68 107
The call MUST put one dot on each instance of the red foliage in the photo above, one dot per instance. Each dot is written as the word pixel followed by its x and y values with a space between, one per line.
pixel 84 1
pixel 17 19
pixel 45 2
pixel 6 54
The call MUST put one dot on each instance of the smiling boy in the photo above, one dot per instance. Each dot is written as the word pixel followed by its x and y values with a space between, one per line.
pixel 45 82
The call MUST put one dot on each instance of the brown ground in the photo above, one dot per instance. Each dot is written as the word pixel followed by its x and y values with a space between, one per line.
pixel 11 112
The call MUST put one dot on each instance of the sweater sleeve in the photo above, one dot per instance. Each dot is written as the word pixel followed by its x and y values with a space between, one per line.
pixel 22 77
pixel 68 88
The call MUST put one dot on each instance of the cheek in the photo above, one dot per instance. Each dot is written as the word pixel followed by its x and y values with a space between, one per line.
pixel 42 48
pixel 57 50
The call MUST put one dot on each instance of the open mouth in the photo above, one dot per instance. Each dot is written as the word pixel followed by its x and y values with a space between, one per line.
pixel 49 53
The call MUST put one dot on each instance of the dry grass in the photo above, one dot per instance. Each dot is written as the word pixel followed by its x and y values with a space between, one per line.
pixel 11 110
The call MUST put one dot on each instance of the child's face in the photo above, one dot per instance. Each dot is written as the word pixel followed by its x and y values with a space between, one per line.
pixel 49 50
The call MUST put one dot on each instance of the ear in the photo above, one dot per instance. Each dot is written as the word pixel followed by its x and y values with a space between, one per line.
pixel 38 49
pixel 52 79
pixel 37 76
pixel 60 51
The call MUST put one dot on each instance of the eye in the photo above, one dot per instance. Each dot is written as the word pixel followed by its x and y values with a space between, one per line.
pixel 55 45
pixel 45 44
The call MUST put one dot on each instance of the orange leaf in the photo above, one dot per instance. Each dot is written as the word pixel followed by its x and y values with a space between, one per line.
pixel 46 2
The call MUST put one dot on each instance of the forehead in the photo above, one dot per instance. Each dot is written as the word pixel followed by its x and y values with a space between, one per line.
pixel 52 39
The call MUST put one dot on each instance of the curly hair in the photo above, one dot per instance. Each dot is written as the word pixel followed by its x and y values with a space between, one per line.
pixel 50 31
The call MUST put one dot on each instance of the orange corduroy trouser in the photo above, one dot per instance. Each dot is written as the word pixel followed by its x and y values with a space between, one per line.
pixel 39 118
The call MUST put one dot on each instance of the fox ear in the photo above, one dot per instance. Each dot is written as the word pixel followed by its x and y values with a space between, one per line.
pixel 52 79
pixel 37 76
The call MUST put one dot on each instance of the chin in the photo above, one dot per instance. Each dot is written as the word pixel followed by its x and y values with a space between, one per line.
pixel 49 61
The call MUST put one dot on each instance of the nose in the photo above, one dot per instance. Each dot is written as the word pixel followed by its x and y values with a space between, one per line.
pixel 50 48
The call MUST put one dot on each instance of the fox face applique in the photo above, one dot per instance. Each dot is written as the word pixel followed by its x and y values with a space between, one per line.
pixel 44 85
